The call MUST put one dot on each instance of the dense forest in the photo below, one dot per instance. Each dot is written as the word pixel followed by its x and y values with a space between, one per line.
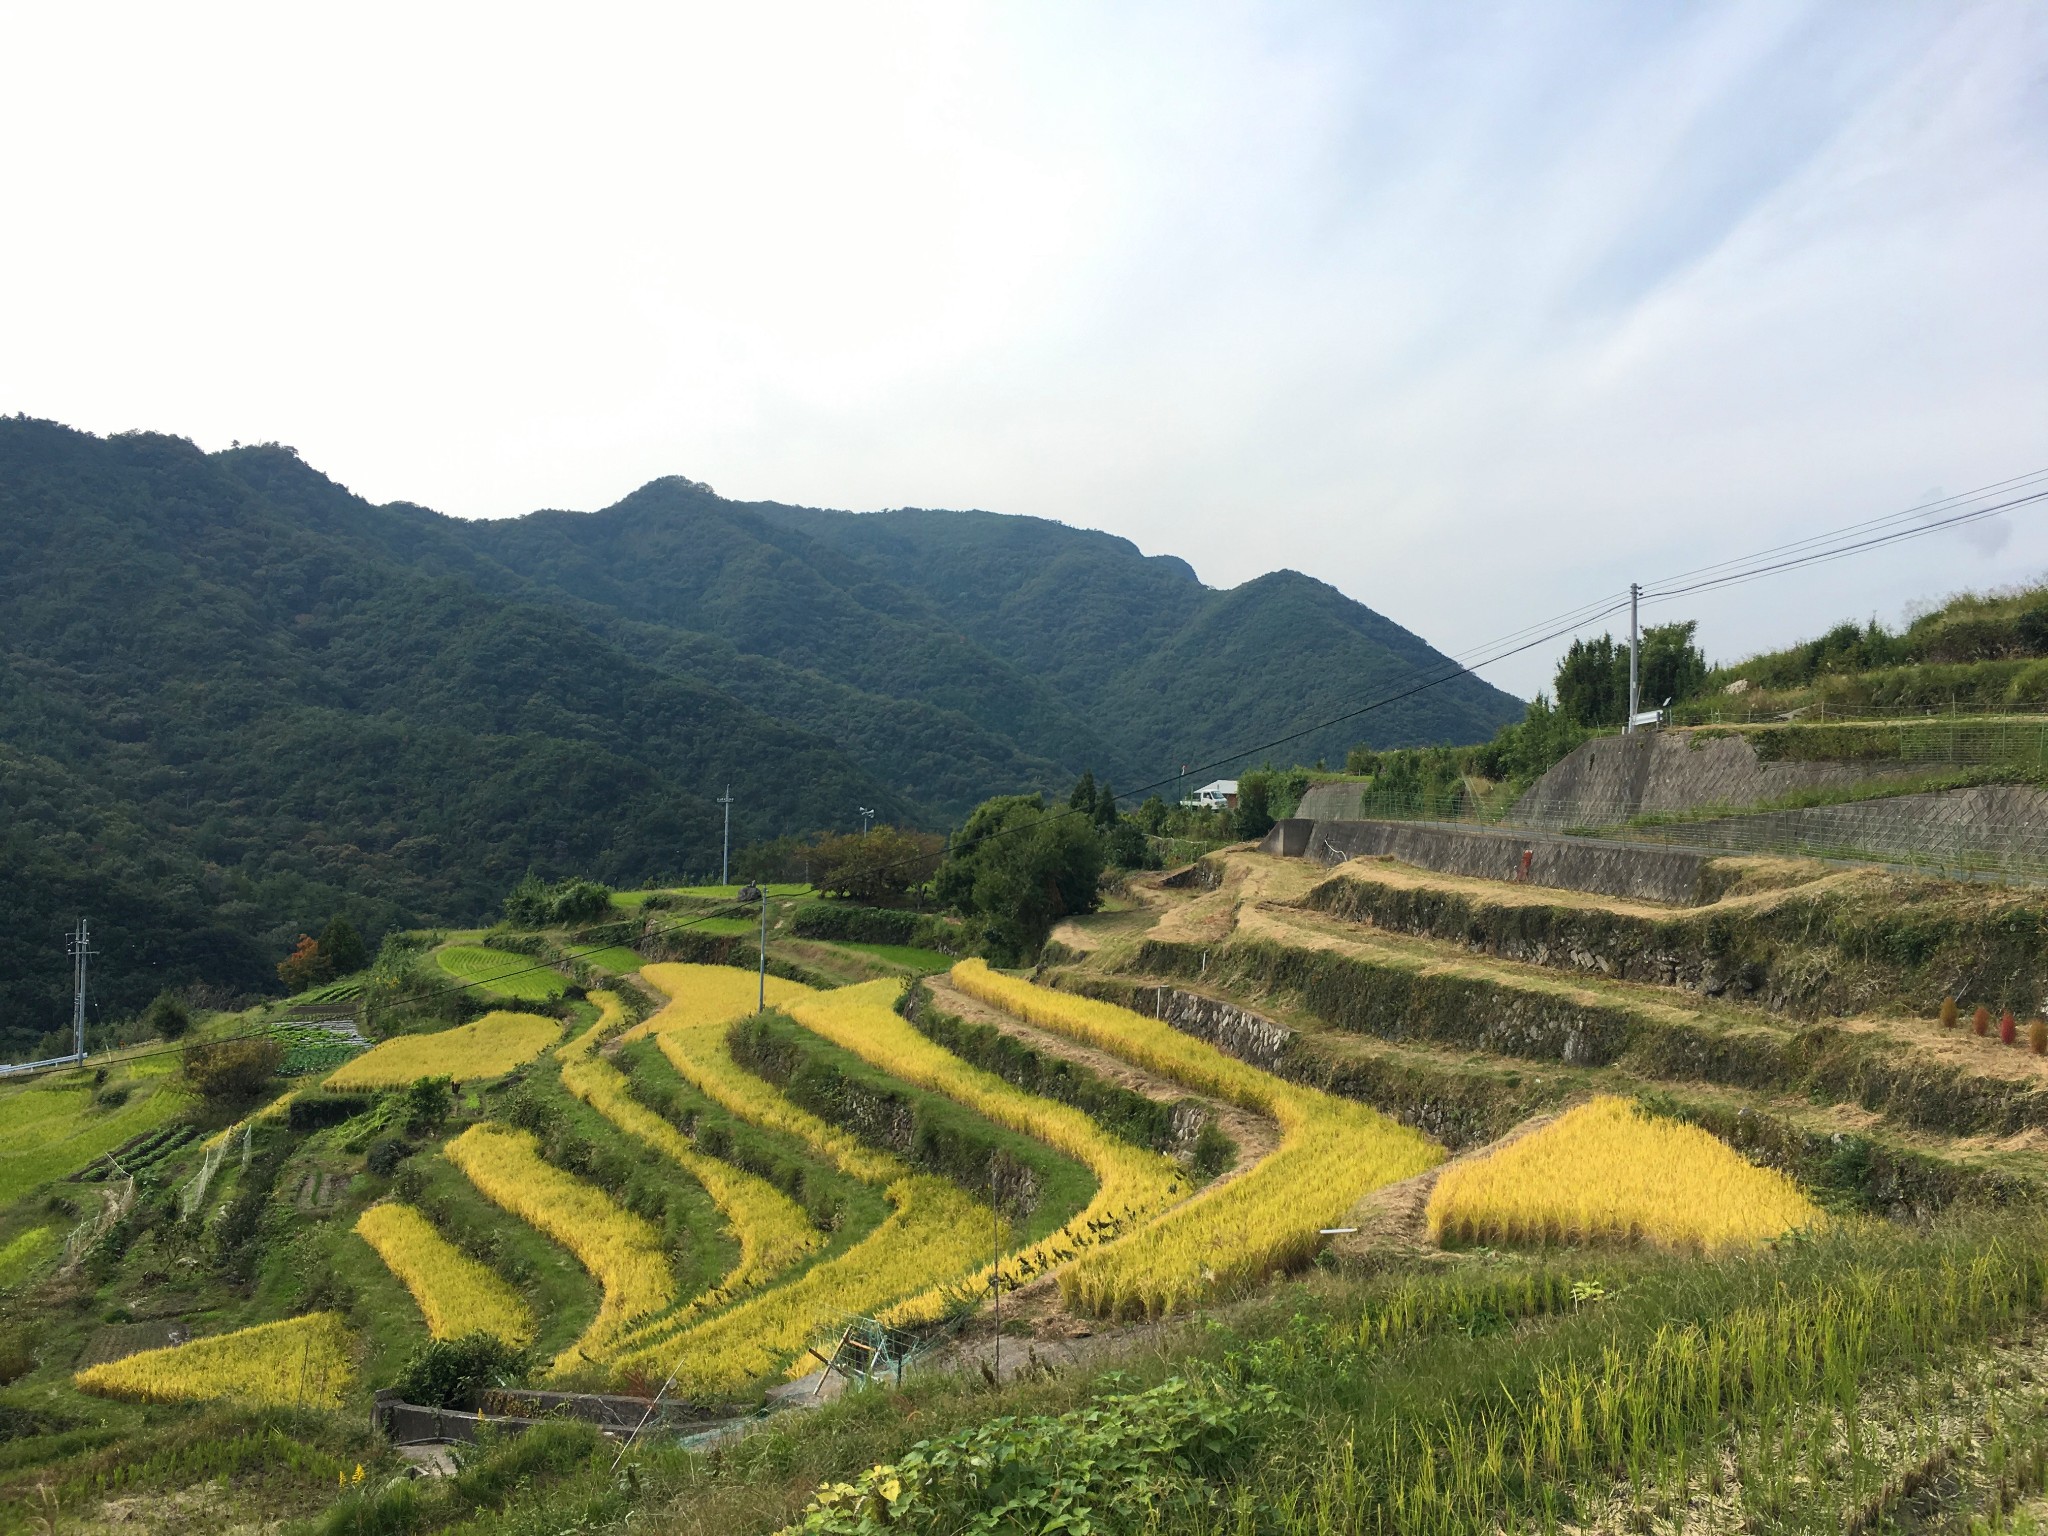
pixel 238 700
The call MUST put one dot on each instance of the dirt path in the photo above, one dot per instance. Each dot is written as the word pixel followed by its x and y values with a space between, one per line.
pixel 1391 1220
pixel 1255 1135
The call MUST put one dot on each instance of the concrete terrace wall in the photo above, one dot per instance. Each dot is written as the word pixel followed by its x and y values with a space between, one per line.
pixel 1613 778
pixel 1640 873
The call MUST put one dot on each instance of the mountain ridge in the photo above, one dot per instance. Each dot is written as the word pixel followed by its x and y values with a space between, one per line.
pixel 291 701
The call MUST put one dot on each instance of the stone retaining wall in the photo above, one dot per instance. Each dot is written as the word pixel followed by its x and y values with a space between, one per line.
pixel 1636 872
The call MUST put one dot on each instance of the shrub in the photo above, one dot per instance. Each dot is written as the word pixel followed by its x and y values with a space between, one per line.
pixel 1948 1013
pixel 2037 1037
pixel 1980 1021
pixel 232 1072
pixel 427 1102
pixel 317 1111
pixel 455 1373
pixel 167 1018
pixel 2006 1027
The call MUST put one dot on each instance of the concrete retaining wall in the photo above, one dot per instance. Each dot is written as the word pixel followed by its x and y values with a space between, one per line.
pixel 1612 778
pixel 1550 859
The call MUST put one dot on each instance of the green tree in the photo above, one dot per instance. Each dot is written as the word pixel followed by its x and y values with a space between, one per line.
pixel 342 947
pixel 881 865
pixel 1082 798
pixel 167 1017
pixel 1254 805
pixel 1673 667
pixel 230 1073
pixel 1013 870
pixel 1592 683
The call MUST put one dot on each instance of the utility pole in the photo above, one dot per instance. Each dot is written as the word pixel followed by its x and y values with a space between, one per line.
pixel 1635 645
pixel 753 892
pixel 81 951
pixel 867 816
pixel 725 862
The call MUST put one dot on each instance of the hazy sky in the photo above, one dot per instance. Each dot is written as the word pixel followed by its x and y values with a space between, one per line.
pixel 1474 311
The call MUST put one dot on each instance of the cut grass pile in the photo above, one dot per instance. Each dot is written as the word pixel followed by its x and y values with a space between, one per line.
pixel 500 973
pixel 487 1047
pixel 619 1249
pixel 1608 1171
pixel 456 1294
pixel 301 1362
pixel 1332 1151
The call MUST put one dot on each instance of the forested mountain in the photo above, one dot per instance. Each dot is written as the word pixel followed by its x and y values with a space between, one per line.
pixel 237 699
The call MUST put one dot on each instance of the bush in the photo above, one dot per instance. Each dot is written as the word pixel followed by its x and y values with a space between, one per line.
pixel 385 1154
pixel 455 1373
pixel 227 1073
pixel 427 1103
pixel 845 923
pixel 167 1018
pixel 536 904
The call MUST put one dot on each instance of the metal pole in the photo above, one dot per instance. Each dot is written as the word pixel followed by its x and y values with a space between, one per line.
pixel 995 1278
pixel 1635 646
pixel 81 946
pixel 725 860
pixel 762 1005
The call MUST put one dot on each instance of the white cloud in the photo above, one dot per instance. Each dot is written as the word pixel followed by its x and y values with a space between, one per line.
pixel 1474 312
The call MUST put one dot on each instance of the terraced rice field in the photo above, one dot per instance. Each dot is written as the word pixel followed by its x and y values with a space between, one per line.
pixel 618 1248
pixel 1607 1171
pixel 54 1126
pixel 302 1362
pixel 456 1294
pixel 1332 1152
pixel 1134 1185
pixel 932 1238
pixel 501 973
pixel 616 958
pixel 772 1229
pixel 487 1047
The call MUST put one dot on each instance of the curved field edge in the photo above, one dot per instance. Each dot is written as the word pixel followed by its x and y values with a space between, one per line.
pixel 487 1047
pixel 1133 1185
pixel 772 1230
pixel 619 1249
pixel 501 972
pixel 1332 1153
pixel 455 1294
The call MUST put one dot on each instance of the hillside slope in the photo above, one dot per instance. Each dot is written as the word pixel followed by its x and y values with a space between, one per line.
pixel 295 724
pixel 295 702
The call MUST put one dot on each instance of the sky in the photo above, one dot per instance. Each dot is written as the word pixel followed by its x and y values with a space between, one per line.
pixel 1475 311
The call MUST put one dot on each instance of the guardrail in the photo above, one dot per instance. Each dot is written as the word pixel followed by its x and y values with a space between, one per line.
pixel 17 1068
